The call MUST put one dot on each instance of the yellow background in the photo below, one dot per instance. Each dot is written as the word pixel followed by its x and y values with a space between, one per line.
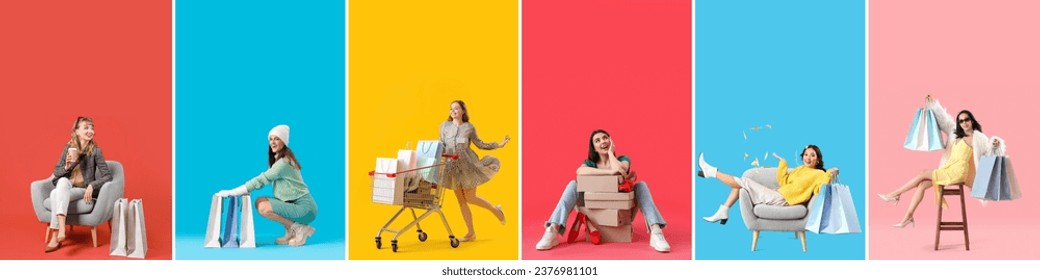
pixel 408 61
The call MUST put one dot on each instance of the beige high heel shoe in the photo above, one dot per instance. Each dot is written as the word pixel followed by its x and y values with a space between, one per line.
pixel 889 199
pixel 905 222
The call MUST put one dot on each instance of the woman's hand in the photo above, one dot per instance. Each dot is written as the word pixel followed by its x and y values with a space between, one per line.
pixel 241 190
pixel 88 197
pixel 996 142
pixel 69 160
pixel 833 171
pixel 504 142
pixel 928 98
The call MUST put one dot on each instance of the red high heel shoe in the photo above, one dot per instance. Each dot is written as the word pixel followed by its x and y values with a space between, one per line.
pixel 593 236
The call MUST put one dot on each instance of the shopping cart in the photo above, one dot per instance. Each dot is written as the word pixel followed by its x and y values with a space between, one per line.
pixel 419 193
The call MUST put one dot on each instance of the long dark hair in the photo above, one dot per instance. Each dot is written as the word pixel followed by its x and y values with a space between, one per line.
pixel 974 124
pixel 284 153
pixel 819 156
pixel 593 155
pixel 465 112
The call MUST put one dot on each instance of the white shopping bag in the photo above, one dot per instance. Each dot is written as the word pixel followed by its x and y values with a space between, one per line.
pixel 246 236
pixel 137 242
pixel 406 161
pixel 117 247
pixel 213 226
pixel 384 187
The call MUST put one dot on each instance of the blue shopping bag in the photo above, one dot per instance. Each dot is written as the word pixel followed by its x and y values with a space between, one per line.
pixel 995 179
pixel 229 233
pixel 834 211
pixel 815 223
pixel 924 132
pixel 428 153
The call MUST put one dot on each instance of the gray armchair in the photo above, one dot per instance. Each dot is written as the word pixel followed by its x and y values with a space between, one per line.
pixel 769 217
pixel 80 213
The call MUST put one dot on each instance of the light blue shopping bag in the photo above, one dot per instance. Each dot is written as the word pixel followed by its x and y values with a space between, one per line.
pixel 924 132
pixel 995 179
pixel 834 211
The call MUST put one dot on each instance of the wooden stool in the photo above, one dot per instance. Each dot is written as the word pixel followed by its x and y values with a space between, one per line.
pixel 958 190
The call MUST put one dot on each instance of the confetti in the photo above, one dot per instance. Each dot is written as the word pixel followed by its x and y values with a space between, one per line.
pixel 765 156
pixel 755 162
pixel 746 156
pixel 757 128
pixel 769 126
pixel 745 135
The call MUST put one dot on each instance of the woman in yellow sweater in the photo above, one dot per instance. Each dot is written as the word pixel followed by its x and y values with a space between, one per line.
pixel 796 186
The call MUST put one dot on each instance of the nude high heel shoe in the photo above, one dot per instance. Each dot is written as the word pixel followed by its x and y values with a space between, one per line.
pixel 889 199
pixel 905 222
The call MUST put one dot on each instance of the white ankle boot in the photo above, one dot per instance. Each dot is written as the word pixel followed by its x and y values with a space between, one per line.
pixel 657 241
pixel 549 239
pixel 708 170
pixel 722 215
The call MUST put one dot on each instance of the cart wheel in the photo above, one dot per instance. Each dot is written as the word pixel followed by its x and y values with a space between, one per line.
pixel 393 245
pixel 454 242
pixel 422 236
pixel 379 242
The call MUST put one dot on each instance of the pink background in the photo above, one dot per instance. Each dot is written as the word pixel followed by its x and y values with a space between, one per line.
pixel 981 56
pixel 623 66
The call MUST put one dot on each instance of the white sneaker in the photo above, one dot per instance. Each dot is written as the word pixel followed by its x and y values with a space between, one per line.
pixel 722 215
pixel 549 239
pixel 657 241
pixel 300 234
pixel 708 170
pixel 289 233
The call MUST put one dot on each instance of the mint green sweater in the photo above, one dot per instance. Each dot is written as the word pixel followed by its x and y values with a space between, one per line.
pixel 287 181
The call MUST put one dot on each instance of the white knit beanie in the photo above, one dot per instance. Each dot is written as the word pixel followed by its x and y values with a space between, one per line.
pixel 281 131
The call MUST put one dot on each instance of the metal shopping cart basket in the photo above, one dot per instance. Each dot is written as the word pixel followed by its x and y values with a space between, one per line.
pixel 417 192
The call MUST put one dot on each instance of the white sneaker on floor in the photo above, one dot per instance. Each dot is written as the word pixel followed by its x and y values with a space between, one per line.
pixel 300 234
pixel 657 241
pixel 549 240
pixel 289 234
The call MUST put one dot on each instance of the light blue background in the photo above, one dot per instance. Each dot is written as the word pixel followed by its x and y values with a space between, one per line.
pixel 799 66
pixel 242 68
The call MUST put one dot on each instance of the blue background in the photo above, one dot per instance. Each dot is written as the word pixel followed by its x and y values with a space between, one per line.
pixel 242 68
pixel 799 66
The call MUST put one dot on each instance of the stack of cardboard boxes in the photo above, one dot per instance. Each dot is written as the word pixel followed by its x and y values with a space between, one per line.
pixel 609 211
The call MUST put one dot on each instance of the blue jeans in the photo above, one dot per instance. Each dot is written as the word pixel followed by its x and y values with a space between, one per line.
pixel 569 200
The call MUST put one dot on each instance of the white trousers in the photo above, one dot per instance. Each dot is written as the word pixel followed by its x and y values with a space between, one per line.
pixel 62 194
pixel 761 194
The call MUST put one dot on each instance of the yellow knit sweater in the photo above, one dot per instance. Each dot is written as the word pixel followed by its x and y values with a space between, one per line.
pixel 800 184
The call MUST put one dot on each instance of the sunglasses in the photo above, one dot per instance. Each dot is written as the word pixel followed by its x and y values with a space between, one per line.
pixel 963 120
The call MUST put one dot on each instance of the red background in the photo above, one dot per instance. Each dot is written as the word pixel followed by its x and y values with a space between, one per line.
pixel 623 66
pixel 109 60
